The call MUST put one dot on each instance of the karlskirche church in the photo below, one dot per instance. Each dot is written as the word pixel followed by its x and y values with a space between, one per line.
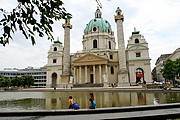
pixel 100 63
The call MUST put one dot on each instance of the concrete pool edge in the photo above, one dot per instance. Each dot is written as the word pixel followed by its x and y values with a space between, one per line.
pixel 87 111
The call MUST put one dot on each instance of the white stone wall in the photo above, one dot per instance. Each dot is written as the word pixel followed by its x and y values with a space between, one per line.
pixel 102 41
pixel 54 67
pixel 142 62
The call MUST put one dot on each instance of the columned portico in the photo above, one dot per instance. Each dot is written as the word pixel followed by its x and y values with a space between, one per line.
pixel 97 73
pixel 91 70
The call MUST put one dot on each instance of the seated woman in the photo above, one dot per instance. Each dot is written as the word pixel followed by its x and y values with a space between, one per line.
pixel 92 104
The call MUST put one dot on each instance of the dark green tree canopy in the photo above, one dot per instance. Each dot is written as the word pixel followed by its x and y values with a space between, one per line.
pixel 31 17
pixel 171 69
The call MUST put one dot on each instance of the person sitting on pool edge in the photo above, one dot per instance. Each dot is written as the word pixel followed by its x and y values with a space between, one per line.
pixel 71 102
pixel 92 104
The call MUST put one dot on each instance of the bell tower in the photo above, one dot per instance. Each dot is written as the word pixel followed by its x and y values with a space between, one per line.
pixel 123 79
pixel 54 65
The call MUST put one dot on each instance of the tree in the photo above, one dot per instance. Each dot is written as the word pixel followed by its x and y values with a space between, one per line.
pixel 16 81
pixel 31 17
pixel 28 80
pixel 4 81
pixel 177 68
pixel 171 69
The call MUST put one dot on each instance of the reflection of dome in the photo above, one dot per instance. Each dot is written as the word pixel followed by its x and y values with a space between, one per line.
pixel 98 24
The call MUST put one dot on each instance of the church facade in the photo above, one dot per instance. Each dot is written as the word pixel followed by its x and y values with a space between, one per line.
pixel 100 62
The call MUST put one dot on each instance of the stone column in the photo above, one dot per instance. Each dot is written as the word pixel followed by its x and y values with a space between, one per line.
pixel 77 78
pixel 66 56
pixel 86 74
pixel 80 77
pixel 123 79
pixel 94 73
pixel 105 77
pixel 74 75
pixel 107 73
pixel 100 74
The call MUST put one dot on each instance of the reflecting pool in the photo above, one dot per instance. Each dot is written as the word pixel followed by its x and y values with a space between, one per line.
pixel 59 100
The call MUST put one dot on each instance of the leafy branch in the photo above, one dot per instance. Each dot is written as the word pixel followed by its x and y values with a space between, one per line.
pixel 31 17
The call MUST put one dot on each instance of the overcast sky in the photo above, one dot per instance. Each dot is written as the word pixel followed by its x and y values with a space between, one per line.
pixel 157 20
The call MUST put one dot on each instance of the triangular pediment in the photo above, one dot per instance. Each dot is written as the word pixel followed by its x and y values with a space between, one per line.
pixel 90 59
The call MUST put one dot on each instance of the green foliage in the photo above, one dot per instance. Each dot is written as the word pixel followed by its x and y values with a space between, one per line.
pixel 25 80
pixel 28 80
pixel 31 17
pixel 4 81
pixel 171 69
pixel 17 81
pixel 177 68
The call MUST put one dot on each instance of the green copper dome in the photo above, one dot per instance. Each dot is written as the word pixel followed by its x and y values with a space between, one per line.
pixel 98 23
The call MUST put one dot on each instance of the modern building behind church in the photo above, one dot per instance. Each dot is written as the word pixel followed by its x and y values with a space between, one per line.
pixel 99 62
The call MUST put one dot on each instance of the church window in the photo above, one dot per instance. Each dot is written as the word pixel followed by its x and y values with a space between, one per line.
pixel 136 40
pixel 112 70
pixel 108 30
pixel 94 29
pixel 54 61
pixel 109 45
pixel 94 43
pixel 55 48
pixel 138 54
pixel 111 56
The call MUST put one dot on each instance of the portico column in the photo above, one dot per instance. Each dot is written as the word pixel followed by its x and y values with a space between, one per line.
pixel 107 74
pixel 94 73
pixel 100 74
pixel 74 75
pixel 77 77
pixel 80 74
pixel 86 74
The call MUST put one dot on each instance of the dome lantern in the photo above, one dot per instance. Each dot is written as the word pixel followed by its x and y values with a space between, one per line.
pixel 98 13
pixel 98 24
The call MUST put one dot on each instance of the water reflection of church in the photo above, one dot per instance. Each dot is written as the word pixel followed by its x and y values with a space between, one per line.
pixel 103 99
pixel 100 62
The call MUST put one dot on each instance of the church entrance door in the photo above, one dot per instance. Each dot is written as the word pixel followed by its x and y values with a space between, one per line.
pixel 139 75
pixel 54 79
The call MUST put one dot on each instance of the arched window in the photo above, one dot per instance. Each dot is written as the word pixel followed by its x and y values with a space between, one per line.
pixel 108 30
pixel 55 48
pixel 94 43
pixel 136 40
pixel 109 45
pixel 94 29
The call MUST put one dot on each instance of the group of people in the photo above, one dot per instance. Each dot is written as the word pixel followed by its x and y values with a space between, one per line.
pixel 74 105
